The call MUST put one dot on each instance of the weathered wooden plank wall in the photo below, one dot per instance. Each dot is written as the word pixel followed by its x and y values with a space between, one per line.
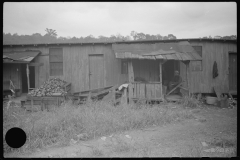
pixel 11 71
pixel 76 67
pixel 202 81
pixel 76 64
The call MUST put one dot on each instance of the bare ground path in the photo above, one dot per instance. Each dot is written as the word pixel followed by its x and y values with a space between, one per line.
pixel 213 133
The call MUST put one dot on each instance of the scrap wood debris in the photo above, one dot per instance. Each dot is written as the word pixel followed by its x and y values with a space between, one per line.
pixel 232 102
pixel 49 87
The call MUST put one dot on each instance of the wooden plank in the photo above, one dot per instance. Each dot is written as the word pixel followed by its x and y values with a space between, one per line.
pixel 152 90
pixel 130 90
pixel 135 90
pixel 148 90
pixel 28 83
pixel 187 76
pixel 142 90
pixel 158 90
pixel 130 72
pixel 160 74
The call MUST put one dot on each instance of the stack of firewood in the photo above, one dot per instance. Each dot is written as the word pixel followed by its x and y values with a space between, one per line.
pixel 54 86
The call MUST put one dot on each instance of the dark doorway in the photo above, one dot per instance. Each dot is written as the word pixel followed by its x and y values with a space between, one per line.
pixel 168 70
pixel 24 77
pixel 32 76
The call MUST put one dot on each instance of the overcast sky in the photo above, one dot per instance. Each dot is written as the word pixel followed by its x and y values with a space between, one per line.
pixel 182 19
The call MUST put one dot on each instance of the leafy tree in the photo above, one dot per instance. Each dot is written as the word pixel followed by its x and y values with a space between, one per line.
pixel 51 32
pixel 134 35
pixel 171 36
pixel 165 38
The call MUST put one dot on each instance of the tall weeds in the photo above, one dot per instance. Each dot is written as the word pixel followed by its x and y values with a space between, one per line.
pixel 94 119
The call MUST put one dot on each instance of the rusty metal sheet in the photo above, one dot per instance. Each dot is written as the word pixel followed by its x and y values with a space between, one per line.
pixel 135 56
pixel 128 55
pixel 178 56
pixel 171 51
pixel 141 57
pixel 159 57
pixel 21 56
pixel 119 55
pixel 169 56
pixel 184 57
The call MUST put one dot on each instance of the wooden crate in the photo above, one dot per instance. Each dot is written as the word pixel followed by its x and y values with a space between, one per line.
pixel 47 100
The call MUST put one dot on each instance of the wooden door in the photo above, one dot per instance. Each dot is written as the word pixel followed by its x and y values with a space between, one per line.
pixel 233 71
pixel 96 71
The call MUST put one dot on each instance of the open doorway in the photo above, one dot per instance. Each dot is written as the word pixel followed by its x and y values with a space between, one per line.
pixel 24 77
pixel 168 70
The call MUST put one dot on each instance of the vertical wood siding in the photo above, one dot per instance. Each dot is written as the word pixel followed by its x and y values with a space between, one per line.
pixel 202 81
pixel 76 66
pixel 11 71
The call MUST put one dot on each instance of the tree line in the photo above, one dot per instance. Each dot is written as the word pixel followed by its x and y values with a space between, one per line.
pixel 52 37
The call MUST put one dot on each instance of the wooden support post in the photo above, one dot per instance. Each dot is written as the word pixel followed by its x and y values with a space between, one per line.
pixel 113 94
pixel 130 79
pixel 160 76
pixel 187 78
pixel 124 97
pixel 28 77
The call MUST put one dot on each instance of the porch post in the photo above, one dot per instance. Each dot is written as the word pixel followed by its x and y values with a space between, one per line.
pixel 187 74
pixel 130 79
pixel 28 77
pixel 160 76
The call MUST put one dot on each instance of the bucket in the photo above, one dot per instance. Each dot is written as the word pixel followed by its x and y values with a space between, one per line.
pixel 211 100
pixel 224 103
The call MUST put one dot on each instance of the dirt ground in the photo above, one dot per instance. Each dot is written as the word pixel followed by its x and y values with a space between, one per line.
pixel 213 133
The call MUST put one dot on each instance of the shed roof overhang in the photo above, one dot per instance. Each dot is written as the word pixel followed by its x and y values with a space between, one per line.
pixel 182 51
pixel 19 56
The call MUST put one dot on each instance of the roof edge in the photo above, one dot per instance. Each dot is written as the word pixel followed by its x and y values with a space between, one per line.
pixel 136 41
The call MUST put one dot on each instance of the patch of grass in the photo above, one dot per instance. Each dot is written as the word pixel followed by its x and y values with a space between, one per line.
pixel 95 119
pixel 223 143
pixel 97 152
pixel 190 102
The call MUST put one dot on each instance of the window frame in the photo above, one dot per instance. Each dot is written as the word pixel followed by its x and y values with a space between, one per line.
pixel 54 60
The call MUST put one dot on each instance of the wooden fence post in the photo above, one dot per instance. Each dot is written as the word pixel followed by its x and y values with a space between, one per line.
pixel 130 79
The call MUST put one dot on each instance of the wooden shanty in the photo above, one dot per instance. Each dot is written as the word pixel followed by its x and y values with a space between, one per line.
pixel 146 65
pixel 136 54
pixel 16 69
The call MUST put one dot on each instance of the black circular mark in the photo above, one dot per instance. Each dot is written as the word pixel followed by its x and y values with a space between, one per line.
pixel 15 137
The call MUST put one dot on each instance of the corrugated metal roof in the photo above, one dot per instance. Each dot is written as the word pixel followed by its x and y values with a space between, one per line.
pixel 129 41
pixel 19 56
pixel 170 51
